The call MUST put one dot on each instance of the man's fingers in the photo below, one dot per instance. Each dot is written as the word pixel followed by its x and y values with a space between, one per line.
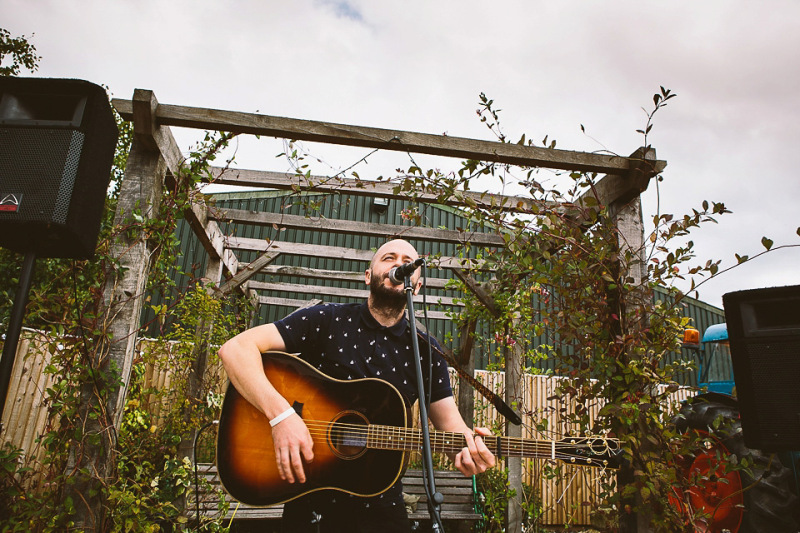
pixel 308 451
pixel 293 445
pixel 285 466
pixel 297 466
pixel 484 453
pixel 476 457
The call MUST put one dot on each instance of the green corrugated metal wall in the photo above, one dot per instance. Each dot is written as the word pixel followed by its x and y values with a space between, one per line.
pixel 356 208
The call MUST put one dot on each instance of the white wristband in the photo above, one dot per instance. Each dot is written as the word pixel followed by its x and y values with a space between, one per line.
pixel 281 417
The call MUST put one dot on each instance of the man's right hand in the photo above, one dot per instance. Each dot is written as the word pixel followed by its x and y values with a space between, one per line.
pixel 293 445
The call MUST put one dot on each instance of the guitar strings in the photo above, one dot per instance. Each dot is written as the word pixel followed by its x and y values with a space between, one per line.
pixel 410 439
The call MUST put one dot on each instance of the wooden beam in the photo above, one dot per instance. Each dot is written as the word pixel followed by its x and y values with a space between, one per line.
pixel 141 110
pixel 311 303
pixel 615 191
pixel 330 225
pixel 313 273
pixel 210 236
pixel 466 344
pixel 285 302
pixel 153 135
pixel 292 248
pixel 394 140
pixel 321 290
pixel 330 252
pixel 247 272
pixel 360 187
pixel 479 290
pixel 144 118
pixel 323 274
pixel 299 304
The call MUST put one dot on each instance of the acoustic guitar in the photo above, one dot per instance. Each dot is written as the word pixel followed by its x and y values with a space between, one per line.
pixel 361 433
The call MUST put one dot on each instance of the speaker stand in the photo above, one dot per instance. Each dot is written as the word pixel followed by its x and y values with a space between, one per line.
pixel 14 328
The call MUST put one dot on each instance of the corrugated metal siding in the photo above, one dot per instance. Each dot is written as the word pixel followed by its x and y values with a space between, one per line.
pixel 331 206
pixel 359 208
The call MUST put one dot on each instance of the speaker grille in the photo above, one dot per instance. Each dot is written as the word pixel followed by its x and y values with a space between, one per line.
pixel 43 185
pixel 764 335
pixel 776 392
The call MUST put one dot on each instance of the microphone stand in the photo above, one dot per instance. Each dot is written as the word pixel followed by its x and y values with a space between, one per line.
pixel 435 498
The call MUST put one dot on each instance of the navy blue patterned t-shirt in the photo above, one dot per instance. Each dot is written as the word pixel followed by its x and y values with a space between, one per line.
pixel 345 342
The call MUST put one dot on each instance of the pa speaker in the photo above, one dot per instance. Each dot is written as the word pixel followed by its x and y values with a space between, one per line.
pixel 764 336
pixel 57 140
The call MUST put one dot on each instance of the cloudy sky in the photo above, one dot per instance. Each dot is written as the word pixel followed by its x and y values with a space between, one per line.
pixel 728 136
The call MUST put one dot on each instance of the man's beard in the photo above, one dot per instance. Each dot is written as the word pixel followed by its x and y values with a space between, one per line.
pixel 385 298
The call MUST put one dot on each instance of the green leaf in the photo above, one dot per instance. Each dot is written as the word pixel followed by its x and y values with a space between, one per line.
pixel 766 242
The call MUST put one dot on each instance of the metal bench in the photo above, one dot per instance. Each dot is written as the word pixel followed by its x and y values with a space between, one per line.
pixel 461 501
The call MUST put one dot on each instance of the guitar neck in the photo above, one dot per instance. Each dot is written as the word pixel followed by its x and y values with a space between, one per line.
pixel 589 451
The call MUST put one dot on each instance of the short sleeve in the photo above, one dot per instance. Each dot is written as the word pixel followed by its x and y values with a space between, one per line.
pixel 300 330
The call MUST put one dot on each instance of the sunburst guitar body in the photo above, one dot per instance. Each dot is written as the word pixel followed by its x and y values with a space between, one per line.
pixel 361 435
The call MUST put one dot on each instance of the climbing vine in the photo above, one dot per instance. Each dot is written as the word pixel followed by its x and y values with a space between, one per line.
pixel 146 486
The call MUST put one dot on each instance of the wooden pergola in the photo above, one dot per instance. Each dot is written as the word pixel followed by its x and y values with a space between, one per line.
pixel 155 160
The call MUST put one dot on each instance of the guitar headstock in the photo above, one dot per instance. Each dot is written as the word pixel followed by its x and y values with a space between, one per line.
pixel 602 452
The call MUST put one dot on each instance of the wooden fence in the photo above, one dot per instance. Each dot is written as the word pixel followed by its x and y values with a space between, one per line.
pixel 568 495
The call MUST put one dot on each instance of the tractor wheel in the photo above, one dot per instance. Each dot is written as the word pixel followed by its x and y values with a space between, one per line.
pixel 757 499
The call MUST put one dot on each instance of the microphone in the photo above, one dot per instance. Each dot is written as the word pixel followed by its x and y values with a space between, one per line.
pixel 397 275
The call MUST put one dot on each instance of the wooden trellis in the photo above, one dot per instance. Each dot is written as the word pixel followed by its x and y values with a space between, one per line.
pixel 156 160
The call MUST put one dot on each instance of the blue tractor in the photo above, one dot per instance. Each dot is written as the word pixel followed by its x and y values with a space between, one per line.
pixel 762 496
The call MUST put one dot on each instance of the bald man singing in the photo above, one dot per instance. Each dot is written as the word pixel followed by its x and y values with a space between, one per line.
pixel 348 341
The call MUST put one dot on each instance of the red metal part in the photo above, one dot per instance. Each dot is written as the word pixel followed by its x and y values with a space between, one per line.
pixel 716 503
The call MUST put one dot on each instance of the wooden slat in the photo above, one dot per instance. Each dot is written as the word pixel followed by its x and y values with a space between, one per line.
pixel 349 227
pixel 210 236
pixel 248 271
pixel 362 187
pixel 297 304
pixel 340 275
pixel 320 290
pixel 318 250
pixel 456 489
pixel 393 140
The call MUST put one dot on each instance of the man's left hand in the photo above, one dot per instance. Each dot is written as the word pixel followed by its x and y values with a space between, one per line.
pixel 475 457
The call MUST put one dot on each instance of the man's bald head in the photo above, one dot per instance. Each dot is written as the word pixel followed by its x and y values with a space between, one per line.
pixel 397 247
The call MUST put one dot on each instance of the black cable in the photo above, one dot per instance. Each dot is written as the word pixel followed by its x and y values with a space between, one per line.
pixel 428 331
pixel 434 500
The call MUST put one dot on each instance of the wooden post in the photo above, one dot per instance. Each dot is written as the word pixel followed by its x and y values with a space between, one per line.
pixel 630 226
pixel 466 394
pixel 91 461
pixel 140 196
pixel 513 365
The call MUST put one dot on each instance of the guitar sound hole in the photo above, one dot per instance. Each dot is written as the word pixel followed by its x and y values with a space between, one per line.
pixel 347 435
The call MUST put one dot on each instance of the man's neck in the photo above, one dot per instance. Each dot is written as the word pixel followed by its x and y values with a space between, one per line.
pixel 385 316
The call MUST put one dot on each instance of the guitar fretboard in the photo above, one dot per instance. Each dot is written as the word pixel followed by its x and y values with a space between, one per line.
pixel 592 451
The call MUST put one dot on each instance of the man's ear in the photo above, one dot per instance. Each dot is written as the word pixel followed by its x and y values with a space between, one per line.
pixel 417 287
pixel 367 276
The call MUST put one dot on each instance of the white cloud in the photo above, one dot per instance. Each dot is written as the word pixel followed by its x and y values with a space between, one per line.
pixel 730 134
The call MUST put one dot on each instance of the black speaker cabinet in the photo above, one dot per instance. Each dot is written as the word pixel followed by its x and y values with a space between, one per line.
pixel 57 139
pixel 764 335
